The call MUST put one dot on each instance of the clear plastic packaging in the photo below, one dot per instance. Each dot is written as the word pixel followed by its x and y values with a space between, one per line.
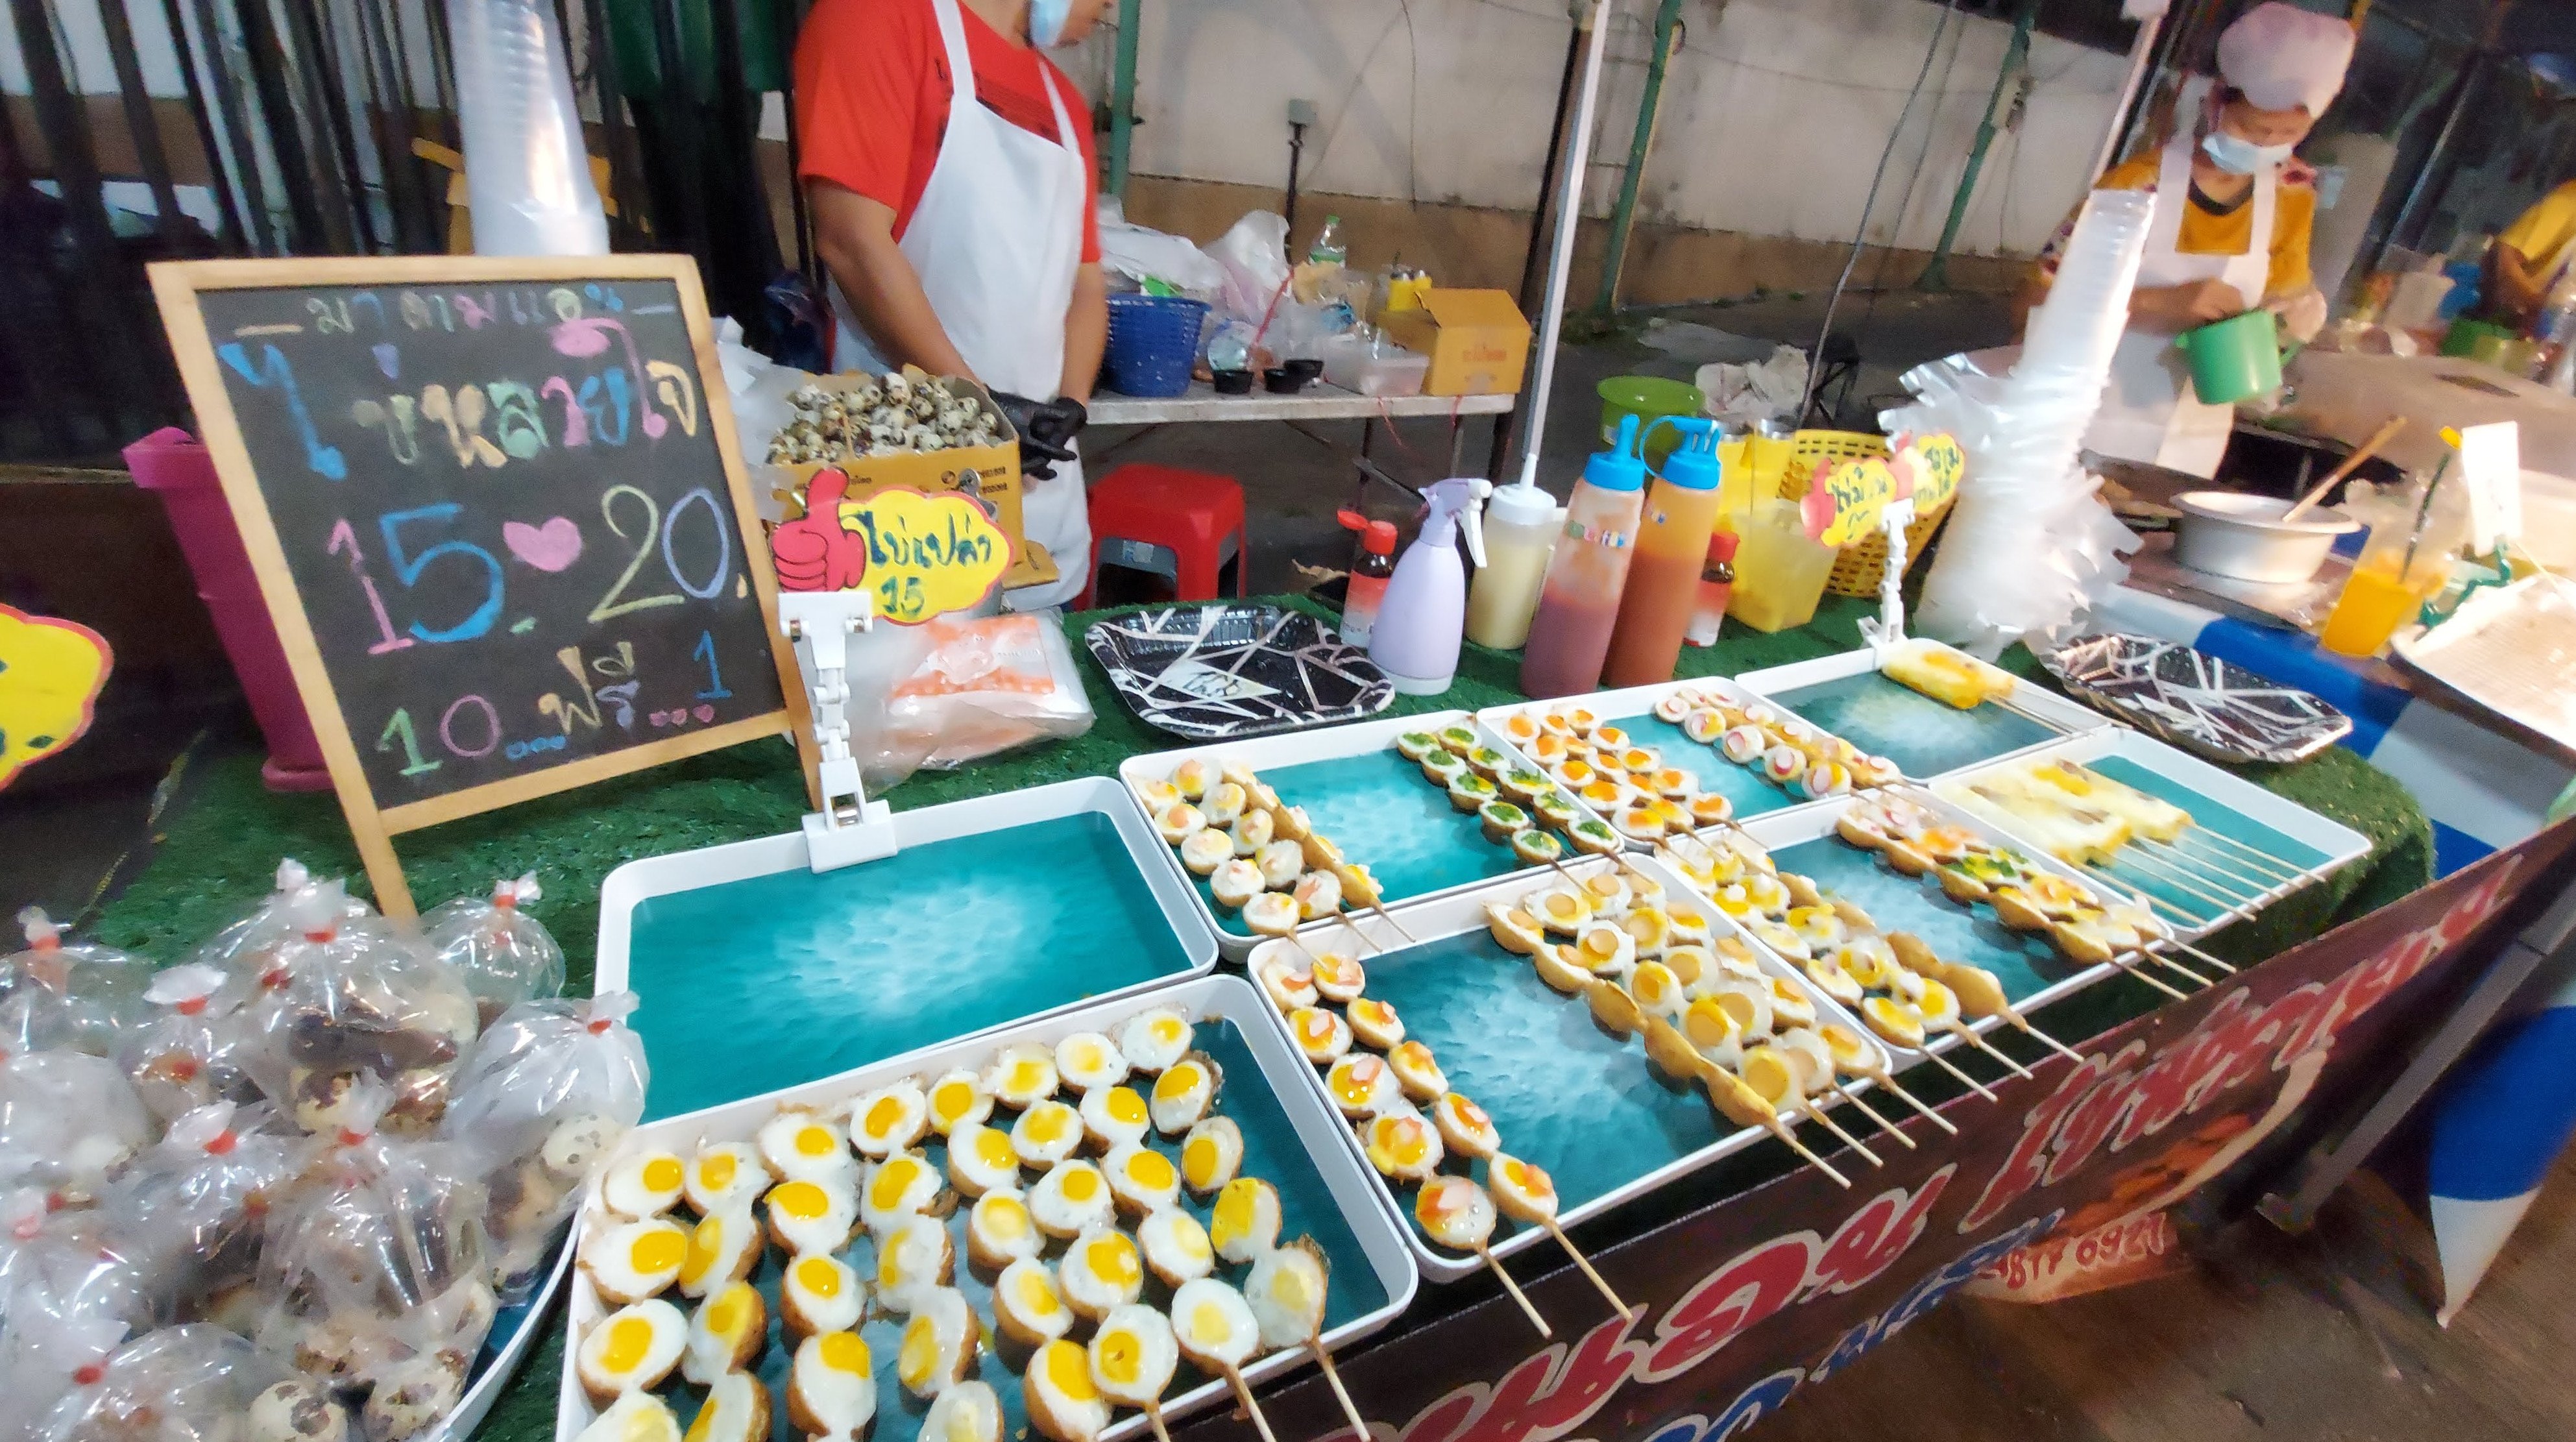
pixel 551 1090
pixel 45 1367
pixel 191 1209
pixel 344 1002
pixel 59 1268
pixel 372 1266
pixel 68 994
pixel 194 1384
pixel 247 948
pixel 505 955
pixel 973 687
pixel 194 1052
pixel 67 1120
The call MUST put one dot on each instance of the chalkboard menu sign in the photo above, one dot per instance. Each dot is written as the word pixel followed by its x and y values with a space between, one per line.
pixel 497 513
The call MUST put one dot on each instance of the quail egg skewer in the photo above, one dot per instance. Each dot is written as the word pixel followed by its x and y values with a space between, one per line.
pixel 1456 1213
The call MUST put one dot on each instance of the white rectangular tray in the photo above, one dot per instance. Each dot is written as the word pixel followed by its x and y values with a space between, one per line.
pixel 1463 912
pixel 1348 1179
pixel 2037 702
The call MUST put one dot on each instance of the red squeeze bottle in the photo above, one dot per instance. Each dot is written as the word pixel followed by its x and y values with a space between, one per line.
pixel 1370 571
pixel 1716 584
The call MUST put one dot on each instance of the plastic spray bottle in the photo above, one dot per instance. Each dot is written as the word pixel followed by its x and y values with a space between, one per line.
pixel 1521 525
pixel 1419 623
pixel 1672 549
pixel 1370 571
pixel 1570 636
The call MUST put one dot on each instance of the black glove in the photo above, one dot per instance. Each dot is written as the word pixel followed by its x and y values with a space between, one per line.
pixel 1046 430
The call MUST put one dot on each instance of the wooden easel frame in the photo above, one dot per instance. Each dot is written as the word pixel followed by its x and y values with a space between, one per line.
pixel 176 286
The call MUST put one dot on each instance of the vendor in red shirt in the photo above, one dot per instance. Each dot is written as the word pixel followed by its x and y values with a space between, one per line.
pixel 948 168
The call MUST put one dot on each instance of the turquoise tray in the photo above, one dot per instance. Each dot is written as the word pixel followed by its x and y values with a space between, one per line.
pixel 1922 736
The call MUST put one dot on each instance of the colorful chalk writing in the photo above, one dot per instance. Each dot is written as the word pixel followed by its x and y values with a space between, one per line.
pixel 506 516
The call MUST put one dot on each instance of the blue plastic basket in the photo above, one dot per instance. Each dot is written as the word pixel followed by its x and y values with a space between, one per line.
pixel 1152 341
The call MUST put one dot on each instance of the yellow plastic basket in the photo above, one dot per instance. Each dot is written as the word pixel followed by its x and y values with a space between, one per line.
pixel 1859 567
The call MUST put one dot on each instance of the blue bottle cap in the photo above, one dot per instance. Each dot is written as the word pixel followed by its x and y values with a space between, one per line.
pixel 1619 468
pixel 1694 465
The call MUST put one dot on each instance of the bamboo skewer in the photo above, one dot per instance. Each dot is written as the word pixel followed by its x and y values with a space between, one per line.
pixel 2061 1048
pixel 1366 940
pixel 1341 1394
pixel 1872 1113
pixel 1808 1105
pixel 2159 872
pixel 1968 1034
pixel 2287 868
pixel 1780 1129
pixel 1599 1284
pixel 1965 1080
pixel 1887 1079
pixel 2201 864
pixel 2144 948
pixel 2197 954
pixel 2132 970
pixel 1245 1404
pixel 1515 1289
pixel 1154 1416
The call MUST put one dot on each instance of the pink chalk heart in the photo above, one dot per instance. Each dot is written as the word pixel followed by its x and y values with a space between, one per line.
pixel 660 718
pixel 549 547
pixel 706 713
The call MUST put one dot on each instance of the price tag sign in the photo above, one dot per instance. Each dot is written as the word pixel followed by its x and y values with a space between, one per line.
pixel 1928 468
pixel 2491 466
pixel 1846 502
pixel 927 555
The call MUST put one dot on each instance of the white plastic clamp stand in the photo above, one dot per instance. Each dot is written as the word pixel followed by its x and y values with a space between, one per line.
pixel 1889 628
pixel 844 832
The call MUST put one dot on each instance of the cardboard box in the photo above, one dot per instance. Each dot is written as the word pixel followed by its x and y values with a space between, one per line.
pixel 1477 340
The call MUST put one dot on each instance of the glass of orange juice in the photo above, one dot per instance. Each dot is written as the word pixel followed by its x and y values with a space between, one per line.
pixel 2382 594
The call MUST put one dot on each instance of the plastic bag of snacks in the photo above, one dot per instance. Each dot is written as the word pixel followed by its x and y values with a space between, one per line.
pixel 374 1258
pixel 194 1052
pixel 551 1090
pixel 248 947
pixel 71 994
pixel 43 1364
pixel 505 955
pixel 195 1384
pixel 60 1270
pixel 343 1002
pixel 974 686
pixel 67 1119
pixel 191 1209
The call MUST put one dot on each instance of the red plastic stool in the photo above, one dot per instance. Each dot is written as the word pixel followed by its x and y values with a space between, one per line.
pixel 1181 525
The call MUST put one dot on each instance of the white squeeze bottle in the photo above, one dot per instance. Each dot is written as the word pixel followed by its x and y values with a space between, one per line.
pixel 1416 638
pixel 1521 526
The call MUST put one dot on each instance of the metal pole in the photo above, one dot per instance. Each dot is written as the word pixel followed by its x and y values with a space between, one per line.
pixel 2141 60
pixel 2424 173
pixel 1122 95
pixel 1650 109
pixel 1936 276
pixel 1569 215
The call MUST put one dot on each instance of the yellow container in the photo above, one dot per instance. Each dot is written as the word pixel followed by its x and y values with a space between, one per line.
pixel 2375 602
pixel 1736 486
pixel 1779 573
pixel 1860 566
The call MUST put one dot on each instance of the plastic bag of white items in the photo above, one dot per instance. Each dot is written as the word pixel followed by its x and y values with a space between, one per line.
pixel 375 1256
pixel 191 1209
pixel 1254 256
pixel 67 1121
pixel 195 1051
pixel 984 685
pixel 505 955
pixel 64 1268
pixel 345 1002
pixel 195 1384
pixel 247 948
pixel 48 1366
pixel 73 994
pixel 551 1089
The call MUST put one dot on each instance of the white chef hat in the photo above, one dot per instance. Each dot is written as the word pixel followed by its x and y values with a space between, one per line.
pixel 2282 56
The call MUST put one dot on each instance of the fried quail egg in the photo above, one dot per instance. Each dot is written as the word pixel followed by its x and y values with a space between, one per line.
pixel 1281 862
pixel 889 1119
pixel 1235 882
pixel 1184 1093
pixel 981 1158
pixel 635 1417
pixel 1222 804
pixel 736 1410
pixel 725 1176
pixel 644 1185
pixel 1159 796
pixel 802 1146
pixel 1522 1192
pixel 1251 832
pixel 1028 1305
pixel 1375 1023
pixel 1214 1325
pixel 1101 1271
pixel 1211 1154
pixel 1362 1085
pixel 1063 1402
pixel 1285 1290
pixel 1657 990
pixel 1179 821
pixel 911 1259
pixel 636 1260
pixel 939 1343
pixel 1272 913
pixel 1402 1146
pixel 1338 978
pixel 1193 777
pixel 967 1412
pixel 1087 1060
pixel 1047 1133
pixel 1133 1356
pixel 1244 1223
pixel 809 1218
pixel 820 1294
pixel 832 1387
pixel 1289 984
pixel 1141 1178
pixel 957 1099
pixel 1176 1247
pixel 1418 1071
pixel 1000 1231
pixel 1112 1117
pixel 1322 1035
pixel 1205 850
pixel 1455 1213
pixel 1606 949
pixel 1464 1127
pixel 723 1248
pixel 726 1335
pixel 902 1186
pixel 633 1348
pixel 1072 1199
pixel 1152 1040
pixel 1562 911
pixel 1022 1076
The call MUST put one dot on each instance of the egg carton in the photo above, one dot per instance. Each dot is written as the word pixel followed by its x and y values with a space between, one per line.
pixel 1332 1176
pixel 1618 1170
pixel 2037 702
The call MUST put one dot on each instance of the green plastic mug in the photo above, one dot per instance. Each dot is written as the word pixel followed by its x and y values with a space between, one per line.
pixel 2234 359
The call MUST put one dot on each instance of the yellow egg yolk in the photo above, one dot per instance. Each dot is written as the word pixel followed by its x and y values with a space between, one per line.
pixel 1191 1240
pixel 662 1174
pixel 919 1353
pixel 1112 1258
pixel 723 1315
pixel 1125 1107
pixel 1006 1219
pixel 951 1100
pixel 1235 1209
pixel 886 1189
pixel 658 1251
pixel 1708 1023
pixel 815 1274
pixel 816 1141
pixel 1209 1325
pixel 1047 1125
pixel 1402 1140
pixel 1178 1083
pixel 1169 1029
pixel 706 1241
pixel 1122 1357
pixel 1563 908
pixel 1080 1184
pixel 715 1173
pixel 1086 1057
pixel 1199 1161
pixel 1037 1295
pixel 1150 1170
pixel 629 1338
pixel 1315 1028
pixel 1068 1370
pixel 884 1117
pixel 1527 1178
pixel 993 1149
pixel 701 1429
pixel 1027 1075
pixel 802 1200
pixel 1768 1072
pixel 1375 1013
pixel 1354 1085
pixel 844 1352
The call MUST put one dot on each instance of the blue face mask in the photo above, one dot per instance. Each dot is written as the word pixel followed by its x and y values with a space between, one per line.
pixel 1046 21
pixel 2237 155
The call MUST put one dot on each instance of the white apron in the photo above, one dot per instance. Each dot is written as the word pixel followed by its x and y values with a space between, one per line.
pixel 2148 411
pixel 996 241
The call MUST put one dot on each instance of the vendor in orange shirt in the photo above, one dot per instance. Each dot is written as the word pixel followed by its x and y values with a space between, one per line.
pixel 2532 255
pixel 947 165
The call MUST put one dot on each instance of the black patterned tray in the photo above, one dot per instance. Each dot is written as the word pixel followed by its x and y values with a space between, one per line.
pixel 2196 701
pixel 1224 671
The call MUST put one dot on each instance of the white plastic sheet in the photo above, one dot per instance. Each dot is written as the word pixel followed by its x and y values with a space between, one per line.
pixel 527 174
